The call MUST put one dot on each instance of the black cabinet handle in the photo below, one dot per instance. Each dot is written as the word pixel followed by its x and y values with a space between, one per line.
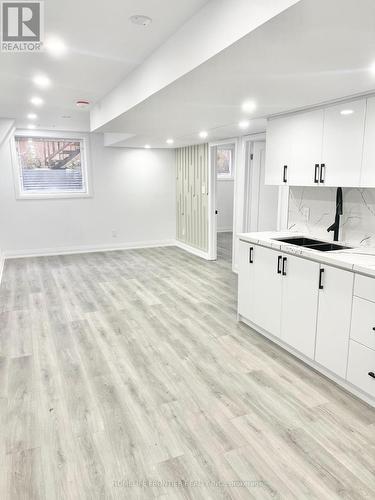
pixel 322 172
pixel 284 173
pixel 321 272
pixel 251 255
pixel 316 175
pixel 279 259
pixel 371 374
pixel 373 328
pixel 284 267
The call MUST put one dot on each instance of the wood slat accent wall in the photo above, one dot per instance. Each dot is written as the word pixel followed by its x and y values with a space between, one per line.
pixel 192 195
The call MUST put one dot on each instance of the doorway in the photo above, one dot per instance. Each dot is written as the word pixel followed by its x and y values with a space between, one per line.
pixel 223 155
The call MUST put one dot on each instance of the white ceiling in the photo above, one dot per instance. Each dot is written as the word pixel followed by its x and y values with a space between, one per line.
pixel 315 51
pixel 103 47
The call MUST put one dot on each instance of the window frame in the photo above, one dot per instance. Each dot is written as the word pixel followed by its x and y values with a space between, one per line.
pixel 53 135
pixel 232 146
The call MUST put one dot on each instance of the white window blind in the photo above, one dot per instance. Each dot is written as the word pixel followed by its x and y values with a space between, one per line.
pixel 50 165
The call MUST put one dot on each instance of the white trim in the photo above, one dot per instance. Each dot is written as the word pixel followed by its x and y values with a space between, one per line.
pixel 195 251
pixel 44 252
pixel 311 363
pixel 225 229
pixel 212 218
pixel 2 263
pixel 84 139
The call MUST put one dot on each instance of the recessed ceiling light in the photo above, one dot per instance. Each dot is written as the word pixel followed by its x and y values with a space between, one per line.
pixel 244 124
pixel 346 112
pixel 170 141
pixel 55 46
pixel 82 103
pixel 249 106
pixel 32 116
pixel 42 81
pixel 141 20
pixel 147 146
pixel 37 101
pixel 203 134
pixel 31 126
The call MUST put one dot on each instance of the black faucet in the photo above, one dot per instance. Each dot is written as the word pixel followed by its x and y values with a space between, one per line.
pixel 336 225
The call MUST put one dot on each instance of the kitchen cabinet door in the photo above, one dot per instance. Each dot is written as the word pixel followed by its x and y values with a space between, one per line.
pixel 343 143
pixel 368 162
pixel 246 279
pixel 267 285
pixel 306 148
pixel 278 150
pixel 334 314
pixel 300 304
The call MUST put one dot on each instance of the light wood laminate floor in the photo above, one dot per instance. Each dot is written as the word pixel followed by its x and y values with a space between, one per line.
pixel 123 367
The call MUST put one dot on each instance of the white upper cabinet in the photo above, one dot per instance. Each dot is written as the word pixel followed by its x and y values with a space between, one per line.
pixel 278 150
pixel 368 163
pixel 323 147
pixel 306 141
pixel 343 143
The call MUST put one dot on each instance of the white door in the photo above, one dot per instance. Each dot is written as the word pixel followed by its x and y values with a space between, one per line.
pixel 267 285
pixel 368 163
pixel 343 143
pixel 306 148
pixel 278 150
pixel 245 279
pixel 300 304
pixel 334 312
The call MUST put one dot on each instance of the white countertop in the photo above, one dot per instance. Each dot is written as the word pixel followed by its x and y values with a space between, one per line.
pixel 359 259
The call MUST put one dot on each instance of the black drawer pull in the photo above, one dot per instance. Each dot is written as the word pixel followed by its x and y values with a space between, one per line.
pixel 251 255
pixel 279 259
pixel 322 172
pixel 284 267
pixel 373 328
pixel 372 374
pixel 316 178
pixel 321 279
pixel 284 173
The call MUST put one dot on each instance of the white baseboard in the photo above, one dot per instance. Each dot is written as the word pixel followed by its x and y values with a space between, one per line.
pixel 45 252
pixel 195 251
pixel 225 230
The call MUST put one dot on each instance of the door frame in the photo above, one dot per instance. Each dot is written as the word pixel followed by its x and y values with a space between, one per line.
pixel 212 180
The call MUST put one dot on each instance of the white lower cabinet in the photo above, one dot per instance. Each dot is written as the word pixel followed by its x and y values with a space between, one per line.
pixel 245 279
pixel 268 287
pixel 311 307
pixel 361 367
pixel 299 304
pixel 334 311
pixel 363 322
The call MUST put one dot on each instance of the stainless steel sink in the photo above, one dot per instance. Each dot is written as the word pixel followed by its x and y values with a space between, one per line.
pixel 322 246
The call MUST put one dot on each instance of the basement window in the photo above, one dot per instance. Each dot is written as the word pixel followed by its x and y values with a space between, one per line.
pixel 225 161
pixel 52 166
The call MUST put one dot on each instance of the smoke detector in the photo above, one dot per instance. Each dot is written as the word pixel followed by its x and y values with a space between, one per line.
pixel 141 20
pixel 82 103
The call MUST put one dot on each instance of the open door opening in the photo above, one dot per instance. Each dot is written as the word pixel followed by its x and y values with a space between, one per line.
pixel 223 156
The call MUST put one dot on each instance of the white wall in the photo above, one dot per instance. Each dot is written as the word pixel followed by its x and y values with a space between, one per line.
pixel 224 204
pixel 133 194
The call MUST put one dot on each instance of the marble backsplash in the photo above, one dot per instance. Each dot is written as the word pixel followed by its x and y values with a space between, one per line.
pixel 312 210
